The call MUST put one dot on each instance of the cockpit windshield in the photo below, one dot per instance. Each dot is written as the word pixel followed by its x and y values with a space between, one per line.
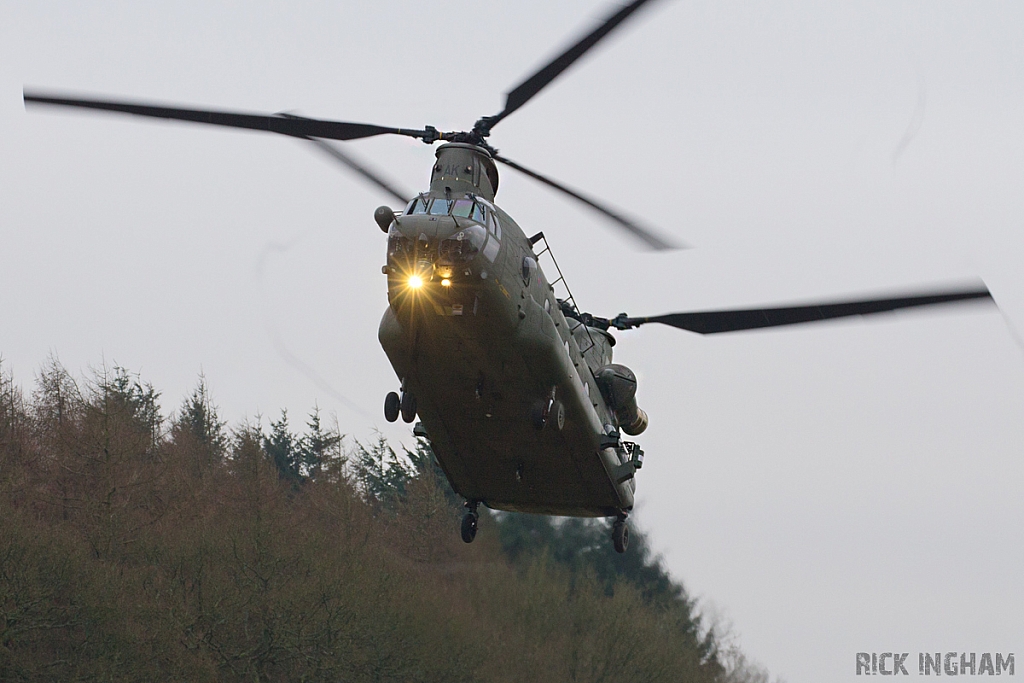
pixel 440 207
pixel 460 208
pixel 463 208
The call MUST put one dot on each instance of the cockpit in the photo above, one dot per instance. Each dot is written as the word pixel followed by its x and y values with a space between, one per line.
pixel 479 230
pixel 467 207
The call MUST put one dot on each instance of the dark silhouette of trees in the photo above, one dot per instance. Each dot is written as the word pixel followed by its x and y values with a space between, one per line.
pixel 310 456
pixel 283 449
pixel 135 547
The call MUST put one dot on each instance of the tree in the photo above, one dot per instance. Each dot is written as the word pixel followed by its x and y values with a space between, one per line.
pixel 381 474
pixel 98 455
pixel 272 564
pixel 425 465
pixel 320 449
pixel 198 419
pixel 13 434
pixel 583 546
pixel 122 394
pixel 282 448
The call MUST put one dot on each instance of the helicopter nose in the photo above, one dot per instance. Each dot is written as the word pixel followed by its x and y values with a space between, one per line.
pixel 432 227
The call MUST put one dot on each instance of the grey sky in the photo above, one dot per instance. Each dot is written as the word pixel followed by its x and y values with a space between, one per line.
pixel 832 489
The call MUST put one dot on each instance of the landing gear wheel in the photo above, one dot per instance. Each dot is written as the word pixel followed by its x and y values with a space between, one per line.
pixel 392 404
pixel 556 414
pixel 408 406
pixel 620 536
pixel 469 523
pixel 545 412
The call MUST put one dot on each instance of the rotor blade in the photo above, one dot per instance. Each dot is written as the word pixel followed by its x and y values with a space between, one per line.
pixel 713 322
pixel 273 123
pixel 362 170
pixel 519 96
pixel 649 238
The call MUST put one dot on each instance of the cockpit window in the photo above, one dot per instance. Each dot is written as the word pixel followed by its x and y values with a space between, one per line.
pixel 418 205
pixel 463 208
pixel 460 208
pixel 440 207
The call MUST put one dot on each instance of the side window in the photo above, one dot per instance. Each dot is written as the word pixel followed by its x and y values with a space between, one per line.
pixel 529 269
pixel 495 225
pixel 418 205
pixel 492 248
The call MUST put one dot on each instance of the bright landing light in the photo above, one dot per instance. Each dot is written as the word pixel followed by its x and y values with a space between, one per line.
pixel 446 282
pixel 415 282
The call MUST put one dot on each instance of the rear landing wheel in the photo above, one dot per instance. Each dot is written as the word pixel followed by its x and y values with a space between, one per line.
pixel 392 404
pixel 620 536
pixel 469 523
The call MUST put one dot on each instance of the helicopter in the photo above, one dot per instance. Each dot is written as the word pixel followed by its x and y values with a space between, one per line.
pixel 514 385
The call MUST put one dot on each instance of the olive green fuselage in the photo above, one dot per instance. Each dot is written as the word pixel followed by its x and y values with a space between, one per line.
pixel 481 342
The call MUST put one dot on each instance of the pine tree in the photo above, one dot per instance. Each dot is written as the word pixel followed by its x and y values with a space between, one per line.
pixel 282 448
pixel 121 393
pixel 381 474
pixel 319 448
pixel 198 418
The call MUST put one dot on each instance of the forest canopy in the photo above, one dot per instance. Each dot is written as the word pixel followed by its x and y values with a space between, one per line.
pixel 142 546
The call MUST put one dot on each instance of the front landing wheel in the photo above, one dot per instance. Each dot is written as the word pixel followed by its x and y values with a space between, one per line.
pixel 392 405
pixel 469 524
pixel 408 406
pixel 620 536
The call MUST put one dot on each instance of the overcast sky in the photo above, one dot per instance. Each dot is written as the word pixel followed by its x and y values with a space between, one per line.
pixel 830 489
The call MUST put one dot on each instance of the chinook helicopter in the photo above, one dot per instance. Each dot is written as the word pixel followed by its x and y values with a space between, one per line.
pixel 515 386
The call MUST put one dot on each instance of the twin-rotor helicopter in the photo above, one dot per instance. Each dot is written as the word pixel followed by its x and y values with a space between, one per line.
pixel 513 384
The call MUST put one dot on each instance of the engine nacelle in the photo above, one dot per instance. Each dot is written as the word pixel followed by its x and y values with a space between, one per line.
pixel 618 387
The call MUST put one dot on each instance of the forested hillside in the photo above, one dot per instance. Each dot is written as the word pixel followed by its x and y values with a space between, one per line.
pixel 139 546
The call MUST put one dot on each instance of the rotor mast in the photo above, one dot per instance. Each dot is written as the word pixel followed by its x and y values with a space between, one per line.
pixel 464 168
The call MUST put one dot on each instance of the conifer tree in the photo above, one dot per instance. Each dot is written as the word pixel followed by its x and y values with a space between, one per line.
pixel 198 417
pixel 282 448
pixel 380 473
pixel 118 392
pixel 319 448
